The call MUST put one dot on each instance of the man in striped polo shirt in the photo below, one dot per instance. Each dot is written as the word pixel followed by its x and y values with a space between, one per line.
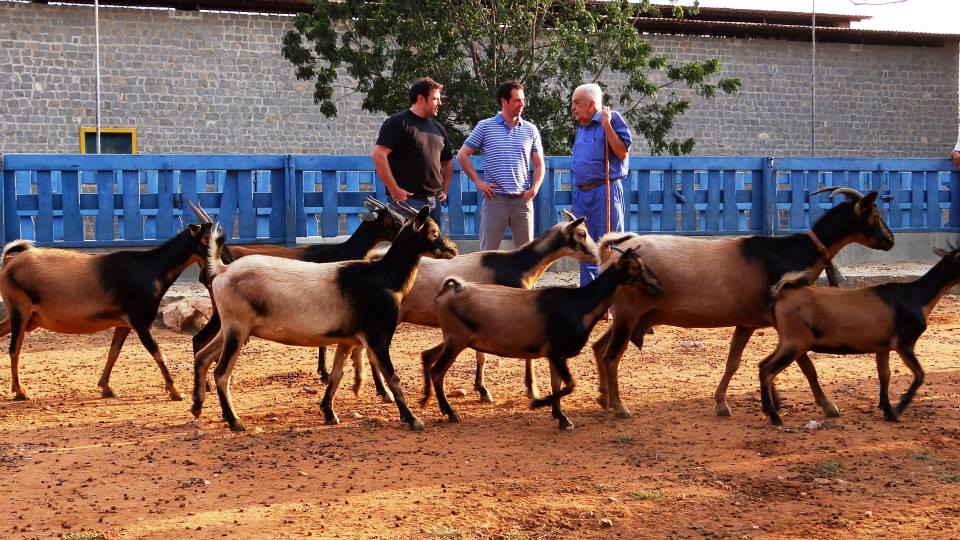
pixel 509 145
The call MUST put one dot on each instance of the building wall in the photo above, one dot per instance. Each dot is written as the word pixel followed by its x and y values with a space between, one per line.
pixel 195 82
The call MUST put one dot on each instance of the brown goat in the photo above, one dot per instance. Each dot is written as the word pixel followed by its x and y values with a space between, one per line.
pixel 726 282
pixel 877 319
pixel 78 293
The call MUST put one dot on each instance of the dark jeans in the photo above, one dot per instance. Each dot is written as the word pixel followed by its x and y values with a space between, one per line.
pixel 419 202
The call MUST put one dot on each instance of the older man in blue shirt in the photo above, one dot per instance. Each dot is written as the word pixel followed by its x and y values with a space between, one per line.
pixel 600 152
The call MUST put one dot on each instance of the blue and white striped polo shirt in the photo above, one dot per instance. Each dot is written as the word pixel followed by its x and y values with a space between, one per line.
pixel 506 152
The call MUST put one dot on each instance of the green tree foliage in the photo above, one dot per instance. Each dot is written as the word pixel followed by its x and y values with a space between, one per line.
pixel 470 46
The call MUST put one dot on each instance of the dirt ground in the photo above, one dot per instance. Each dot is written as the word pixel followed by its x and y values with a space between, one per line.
pixel 138 466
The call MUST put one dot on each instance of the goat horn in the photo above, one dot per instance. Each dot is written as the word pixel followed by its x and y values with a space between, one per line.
pixel 409 210
pixel 851 193
pixel 834 190
pixel 618 249
pixel 199 211
pixel 568 214
pixel 376 203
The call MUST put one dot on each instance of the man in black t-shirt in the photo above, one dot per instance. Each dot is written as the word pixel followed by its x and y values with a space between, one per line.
pixel 412 155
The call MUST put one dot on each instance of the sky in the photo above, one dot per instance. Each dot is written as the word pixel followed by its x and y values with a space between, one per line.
pixel 942 16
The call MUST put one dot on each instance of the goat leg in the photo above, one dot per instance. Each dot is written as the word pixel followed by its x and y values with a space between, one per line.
pixel 437 373
pixel 810 372
pixel 143 332
pixel 599 348
pixel 385 395
pixel 620 335
pixel 381 354
pixel 322 365
pixel 741 335
pixel 530 380
pixel 479 382
pixel 910 359
pixel 561 384
pixel 883 373
pixel 201 364
pixel 120 334
pixel 326 405
pixel 232 343
pixel 17 327
pixel 427 359
pixel 358 373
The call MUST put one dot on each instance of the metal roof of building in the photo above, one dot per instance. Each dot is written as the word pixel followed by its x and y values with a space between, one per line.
pixel 710 21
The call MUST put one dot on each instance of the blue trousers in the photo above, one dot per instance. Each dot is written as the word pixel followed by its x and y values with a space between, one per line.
pixel 593 205
pixel 419 202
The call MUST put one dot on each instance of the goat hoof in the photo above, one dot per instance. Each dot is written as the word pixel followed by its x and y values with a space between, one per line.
pixel 831 411
pixel 776 421
pixel 485 396
pixel 533 393
pixel 196 409
pixel 416 424
pixel 722 410
pixel 602 401
pixel 387 398
pixel 331 419
pixel 237 425
pixel 623 414
pixel 453 418
pixel 21 396
pixel 566 425
pixel 107 393
pixel 175 395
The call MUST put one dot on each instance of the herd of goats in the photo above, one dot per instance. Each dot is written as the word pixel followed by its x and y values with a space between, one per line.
pixel 353 296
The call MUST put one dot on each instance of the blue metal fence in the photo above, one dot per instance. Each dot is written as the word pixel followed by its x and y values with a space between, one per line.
pixel 129 200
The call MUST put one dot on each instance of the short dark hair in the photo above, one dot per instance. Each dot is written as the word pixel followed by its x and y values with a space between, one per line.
pixel 505 90
pixel 422 87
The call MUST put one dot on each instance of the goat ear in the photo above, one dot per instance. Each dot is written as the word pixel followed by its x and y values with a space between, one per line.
pixel 422 216
pixel 194 229
pixel 576 222
pixel 868 200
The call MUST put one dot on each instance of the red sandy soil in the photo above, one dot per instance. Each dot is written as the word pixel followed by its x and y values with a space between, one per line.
pixel 139 466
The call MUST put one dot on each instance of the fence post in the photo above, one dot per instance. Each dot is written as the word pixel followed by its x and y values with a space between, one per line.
pixel 769 197
pixel 543 203
pixel 3 179
pixel 290 208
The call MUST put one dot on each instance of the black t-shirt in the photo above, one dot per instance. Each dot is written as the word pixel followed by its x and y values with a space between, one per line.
pixel 417 145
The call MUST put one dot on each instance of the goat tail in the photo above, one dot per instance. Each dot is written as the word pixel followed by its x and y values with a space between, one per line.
pixel 215 265
pixel 17 246
pixel 451 282
pixel 790 280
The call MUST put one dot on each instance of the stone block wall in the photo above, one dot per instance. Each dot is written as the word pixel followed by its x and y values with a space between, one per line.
pixel 193 82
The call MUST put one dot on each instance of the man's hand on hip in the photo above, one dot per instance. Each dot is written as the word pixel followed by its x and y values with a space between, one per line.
pixel 399 194
pixel 529 194
pixel 486 189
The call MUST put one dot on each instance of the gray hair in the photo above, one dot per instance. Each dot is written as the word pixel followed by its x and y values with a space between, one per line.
pixel 593 91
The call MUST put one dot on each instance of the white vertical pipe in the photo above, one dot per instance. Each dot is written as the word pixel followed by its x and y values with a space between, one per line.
pixel 813 79
pixel 96 26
